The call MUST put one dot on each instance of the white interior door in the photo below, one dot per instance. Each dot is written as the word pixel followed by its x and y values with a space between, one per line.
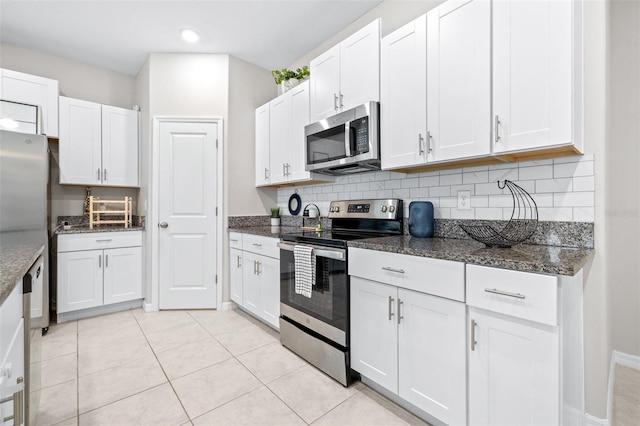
pixel 187 203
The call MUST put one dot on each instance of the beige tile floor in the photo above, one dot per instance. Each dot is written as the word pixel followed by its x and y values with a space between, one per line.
pixel 192 368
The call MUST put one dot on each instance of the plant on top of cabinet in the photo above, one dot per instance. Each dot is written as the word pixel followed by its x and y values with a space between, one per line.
pixel 98 144
pixel 289 79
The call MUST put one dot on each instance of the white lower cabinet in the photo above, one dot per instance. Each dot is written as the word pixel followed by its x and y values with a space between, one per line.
pixel 98 269
pixel 255 275
pixel 408 342
pixel 12 386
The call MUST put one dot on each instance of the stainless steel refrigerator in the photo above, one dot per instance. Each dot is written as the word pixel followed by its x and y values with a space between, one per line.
pixel 24 177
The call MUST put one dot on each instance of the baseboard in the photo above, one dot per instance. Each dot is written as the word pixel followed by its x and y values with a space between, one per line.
pixel 227 306
pixel 590 420
pixel 149 307
pixel 626 360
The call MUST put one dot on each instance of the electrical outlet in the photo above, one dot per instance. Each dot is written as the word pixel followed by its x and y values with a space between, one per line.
pixel 464 200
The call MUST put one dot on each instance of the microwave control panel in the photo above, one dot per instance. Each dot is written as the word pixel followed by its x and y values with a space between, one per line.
pixel 361 126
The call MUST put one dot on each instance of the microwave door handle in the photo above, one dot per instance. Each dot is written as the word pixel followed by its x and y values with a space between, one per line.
pixel 347 139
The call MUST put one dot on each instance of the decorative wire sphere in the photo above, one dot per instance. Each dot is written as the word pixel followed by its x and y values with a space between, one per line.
pixel 521 226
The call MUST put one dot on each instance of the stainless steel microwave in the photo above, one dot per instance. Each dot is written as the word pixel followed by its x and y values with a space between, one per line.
pixel 348 142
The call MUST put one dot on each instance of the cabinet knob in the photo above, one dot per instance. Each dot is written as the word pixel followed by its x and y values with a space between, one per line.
pixel 163 225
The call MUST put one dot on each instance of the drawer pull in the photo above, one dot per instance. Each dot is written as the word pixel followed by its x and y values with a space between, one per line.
pixel 505 293
pixel 233 241
pixel 391 299
pixel 473 335
pixel 387 268
pixel 104 241
pixel 257 245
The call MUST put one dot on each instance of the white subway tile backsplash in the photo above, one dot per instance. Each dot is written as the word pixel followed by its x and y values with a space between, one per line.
pixel 554 185
pixel 440 191
pixel 573 199
pixel 584 183
pixel 563 189
pixel 536 172
pixel 475 177
pixel 453 179
pixel 583 214
pixel 583 168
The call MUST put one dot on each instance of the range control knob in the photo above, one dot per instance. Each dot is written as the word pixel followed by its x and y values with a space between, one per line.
pixel 384 209
pixel 336 209
pixel 331 209
pixel 392 209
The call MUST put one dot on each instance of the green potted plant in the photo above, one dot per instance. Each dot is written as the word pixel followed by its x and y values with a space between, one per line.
pixel 289 79
pixel 275 216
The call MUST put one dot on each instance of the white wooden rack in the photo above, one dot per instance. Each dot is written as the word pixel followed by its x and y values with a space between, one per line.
pixel 101 212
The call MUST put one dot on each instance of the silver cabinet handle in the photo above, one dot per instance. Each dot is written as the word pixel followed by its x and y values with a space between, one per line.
pixel 163 225
pixel 266 172
pixel 387 268
pixel 473 335
pixel 255 268
pixel 429 144
pixel 284 169
pixel 420 140
pixel 18 403
pixel 257 245
pixel 233 240
pixel 288 167
pixel 505 293
pixel 335 102
pixel 400 303
pixel 391 299
pixel 497 134
pixel 98 175
pixel 341 105
pixel 108 240
pixel 105 175
pixel 238 265
pixel 259 264
pixel 106 260
pixel 99 261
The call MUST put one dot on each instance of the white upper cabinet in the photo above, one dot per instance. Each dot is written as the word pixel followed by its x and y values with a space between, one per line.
pixel 403 96
pixel 262 145
pixel 80 142
pixel 119 146
pixel 280 139
pixel 536 74
pixel 98 144
pixel 346 75
pixel 34 90
pixel 459 79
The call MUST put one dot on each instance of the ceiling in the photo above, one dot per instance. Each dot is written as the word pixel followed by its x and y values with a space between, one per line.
pixel 118 35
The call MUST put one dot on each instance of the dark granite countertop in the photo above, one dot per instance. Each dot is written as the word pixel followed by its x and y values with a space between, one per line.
pixel 527 258
pixel 266 231
pixel 83 229
pixel 18 251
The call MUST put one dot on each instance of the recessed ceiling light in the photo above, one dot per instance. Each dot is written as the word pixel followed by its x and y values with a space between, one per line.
pixel 189 35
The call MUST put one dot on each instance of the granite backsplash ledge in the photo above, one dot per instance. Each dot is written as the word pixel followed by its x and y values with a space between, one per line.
pixel 559 234
pixel 84 220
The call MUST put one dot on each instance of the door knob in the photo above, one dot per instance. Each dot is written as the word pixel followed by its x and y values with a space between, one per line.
pixel 163 225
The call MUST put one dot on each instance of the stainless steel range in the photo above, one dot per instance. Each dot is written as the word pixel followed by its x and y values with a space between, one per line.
pixel 314 304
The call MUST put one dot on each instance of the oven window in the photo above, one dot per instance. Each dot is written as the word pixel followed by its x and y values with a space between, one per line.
pixel 326 145
pixel 329 299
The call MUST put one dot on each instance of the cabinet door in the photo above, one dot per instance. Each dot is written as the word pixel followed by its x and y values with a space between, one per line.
pixel 432 357
pixel 122 274
pixel 279 131
pixel 12 380
pixel 513 371
pixel 360 67
pixel 403 86
pixel 33 90
pixel 235 275
pixel 325 84
pixel 262 145
pixel 269 289
pixel 374 335
pixel 80 142
pixel 119 146
pixel 79 280
pixel 299 118
pixel 532 74
pixel 459 79
pixel 250 283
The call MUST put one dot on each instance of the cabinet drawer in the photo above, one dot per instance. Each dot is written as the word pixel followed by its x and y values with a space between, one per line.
pixel 266 246
pixel 98 240
pixel 235 240
pixel 442 278
pixel 533 297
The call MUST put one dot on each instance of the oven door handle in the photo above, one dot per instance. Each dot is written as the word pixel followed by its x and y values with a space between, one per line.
pixel 319 251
